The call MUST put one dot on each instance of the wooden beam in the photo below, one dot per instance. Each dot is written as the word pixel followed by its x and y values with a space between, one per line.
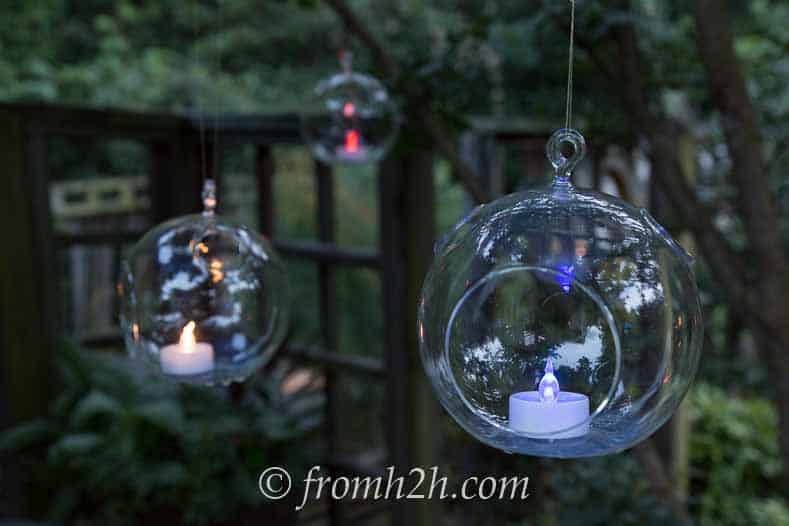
pixel 324 252
pixel 362 365
pixel 392 240
pixel 27 288
pixel 417 216
pixel 264 174
pixel 327 283
pixel 27 319
pixel 104 123
pixel 406 222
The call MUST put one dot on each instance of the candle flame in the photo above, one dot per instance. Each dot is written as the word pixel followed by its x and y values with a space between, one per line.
pixel 352 141
pixel 187 340
pixel 549 386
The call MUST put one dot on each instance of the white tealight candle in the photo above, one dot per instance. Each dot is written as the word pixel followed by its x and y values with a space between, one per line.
pixel 549 412
pixel 352 149
pixel 187 357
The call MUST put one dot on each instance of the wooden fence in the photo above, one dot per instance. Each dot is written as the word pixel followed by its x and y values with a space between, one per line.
pixel 29 321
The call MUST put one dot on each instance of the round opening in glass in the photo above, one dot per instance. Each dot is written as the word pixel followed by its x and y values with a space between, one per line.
pixel 534 351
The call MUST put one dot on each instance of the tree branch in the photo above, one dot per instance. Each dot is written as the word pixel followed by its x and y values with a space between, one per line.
pixel 357 27
pixel 447 146
pixel 725 263
pixel 581 42
pixel 778 155
pixel 661 484
pixel 729 92
pixel 770 318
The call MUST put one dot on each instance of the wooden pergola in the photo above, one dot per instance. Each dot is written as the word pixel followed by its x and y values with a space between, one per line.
pixel 30 326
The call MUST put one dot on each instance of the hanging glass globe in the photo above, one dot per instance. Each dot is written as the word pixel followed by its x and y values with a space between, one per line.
pixel 204 300
pixel 350 119
pixel 562 322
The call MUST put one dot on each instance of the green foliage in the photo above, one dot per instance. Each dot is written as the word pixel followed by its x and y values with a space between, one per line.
pixel 734 467
pixel 735 460
pixel 604 491
pixel 122 448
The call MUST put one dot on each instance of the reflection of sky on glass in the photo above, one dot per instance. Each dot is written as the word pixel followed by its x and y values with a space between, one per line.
pixel 636 294
pixel 238 341
pixel 236 283
pixel 485 242
pixel 479 358
pixel 227 319
pixel 490 351
pixel 569 353
pixel 180 282
pixel 165 254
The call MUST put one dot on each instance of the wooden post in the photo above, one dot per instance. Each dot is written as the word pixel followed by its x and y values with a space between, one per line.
pixel 176 174
pixel 406 222
pixel 27 285
pixel 392 256
pixel 419 222
pixel 324 179
pixel 264 173
pixel 673 440
pixel 28 321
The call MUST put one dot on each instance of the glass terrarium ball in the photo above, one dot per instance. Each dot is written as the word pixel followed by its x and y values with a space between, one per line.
pixel 350 119
pixel 560 323
pixel 204 300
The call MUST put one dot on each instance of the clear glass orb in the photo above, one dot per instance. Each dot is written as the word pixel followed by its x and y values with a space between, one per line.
pixel 350 119
pixel 560 323
pixel 204 300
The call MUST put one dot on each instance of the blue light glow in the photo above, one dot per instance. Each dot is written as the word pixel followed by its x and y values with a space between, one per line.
pixel 565 277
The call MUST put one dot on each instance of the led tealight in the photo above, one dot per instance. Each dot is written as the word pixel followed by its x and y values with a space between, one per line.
pixel 352 141
pixel 549 385
pixel 188 357
pixel 549 412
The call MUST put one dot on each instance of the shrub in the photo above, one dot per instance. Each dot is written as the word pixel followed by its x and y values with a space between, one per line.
pixel 120 447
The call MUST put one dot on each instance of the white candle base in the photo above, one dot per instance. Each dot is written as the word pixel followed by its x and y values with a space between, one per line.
pixel 177 362
pixel 549 420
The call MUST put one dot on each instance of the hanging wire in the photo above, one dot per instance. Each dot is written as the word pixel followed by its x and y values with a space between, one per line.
pixel 557 146
pixel 200 118
pixel 569 109
pixel 217 99
pixel 346 61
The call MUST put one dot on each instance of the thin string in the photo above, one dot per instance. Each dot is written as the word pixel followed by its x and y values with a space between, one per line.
pixel 569 109
pixel 217 99
pixel 200 118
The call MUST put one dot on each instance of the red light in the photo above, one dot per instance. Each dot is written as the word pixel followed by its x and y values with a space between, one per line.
pixel 352 141
pixel 348 110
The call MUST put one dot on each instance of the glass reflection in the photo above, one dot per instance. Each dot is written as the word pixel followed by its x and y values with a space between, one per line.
pixel 219 275
pixel 586 282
